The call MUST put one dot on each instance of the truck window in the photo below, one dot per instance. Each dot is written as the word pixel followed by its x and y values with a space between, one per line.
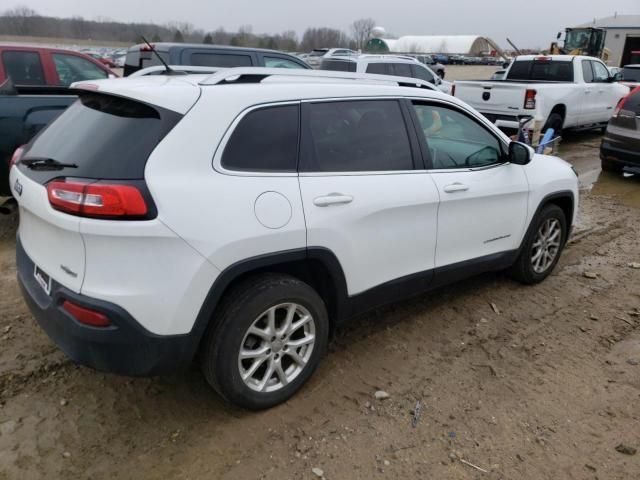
pixel 587 73
pixel 549 70
pixel 24 68
pixel 600 72
pixel 71 68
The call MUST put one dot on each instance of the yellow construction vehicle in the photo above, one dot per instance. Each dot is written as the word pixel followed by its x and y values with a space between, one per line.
pixel 582 41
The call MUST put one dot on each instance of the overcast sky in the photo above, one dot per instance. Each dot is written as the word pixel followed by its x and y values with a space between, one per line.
pixel 531 23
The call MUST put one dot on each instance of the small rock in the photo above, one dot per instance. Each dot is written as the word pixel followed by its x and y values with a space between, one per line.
pixel 381 395
pixel 590 467
pixel 386 463
pixel 367 404
pixel 63 402
pixel 626 449
pixel 591 275
pixel 8 328
pixel 66 455
pixel 635 265
pixel 633 361
pixel 318 472
pixel 484 320
pixel 594 318
pixel 494 307
pixel 453 456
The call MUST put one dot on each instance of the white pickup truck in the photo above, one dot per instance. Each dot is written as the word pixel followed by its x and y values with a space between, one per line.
pixel 558 91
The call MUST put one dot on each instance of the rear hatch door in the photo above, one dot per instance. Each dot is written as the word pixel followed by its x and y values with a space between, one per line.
pixel 101 137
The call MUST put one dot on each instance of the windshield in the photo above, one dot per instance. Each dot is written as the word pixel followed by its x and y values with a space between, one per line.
pixel 631 74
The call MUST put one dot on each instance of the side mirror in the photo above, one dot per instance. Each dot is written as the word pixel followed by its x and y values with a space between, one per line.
pixel 616 77
pixel 519 153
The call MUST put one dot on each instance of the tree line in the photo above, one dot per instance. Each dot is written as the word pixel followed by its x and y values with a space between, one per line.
pixel 24 21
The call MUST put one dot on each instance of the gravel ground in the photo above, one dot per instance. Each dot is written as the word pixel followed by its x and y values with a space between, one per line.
pixel 512 381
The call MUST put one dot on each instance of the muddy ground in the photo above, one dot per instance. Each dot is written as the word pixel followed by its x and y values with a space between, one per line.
pixel 544 386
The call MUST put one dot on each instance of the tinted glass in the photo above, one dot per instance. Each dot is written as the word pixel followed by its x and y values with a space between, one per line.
pixel 587 73
pixel 356 136
pixel 422 73
pixel 600 72
pixel 265 140
pixel 338 65
pixel 275 62
pixel 455 140
pixel 107 137
pixel 402 69
pixel 558 71
pixel 71 69
pixel 632 103
pixel 220 60
pixel 379 68
pixel 631 74
pixel 24 68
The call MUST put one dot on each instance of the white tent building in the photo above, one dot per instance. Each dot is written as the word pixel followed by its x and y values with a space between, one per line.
pixel 473 45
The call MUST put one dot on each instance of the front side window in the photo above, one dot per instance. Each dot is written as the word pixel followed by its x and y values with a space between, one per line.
pixel 71 68
pixel 265 140
pixel 24 68
pixel 455 140
pixel 600 72
pixel 355 136
pixel 423 74
pixel 275 62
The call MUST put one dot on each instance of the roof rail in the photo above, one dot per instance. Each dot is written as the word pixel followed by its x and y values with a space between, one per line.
pixel 184 69
pixel 258 74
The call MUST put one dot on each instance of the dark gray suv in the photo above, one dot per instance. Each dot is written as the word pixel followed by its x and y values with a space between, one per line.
pixel 140 56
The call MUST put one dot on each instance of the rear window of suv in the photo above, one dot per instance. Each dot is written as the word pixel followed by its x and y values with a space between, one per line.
pixel 107 137
pixel 552 70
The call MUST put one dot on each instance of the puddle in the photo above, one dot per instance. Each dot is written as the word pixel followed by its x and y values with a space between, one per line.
pixel 625 187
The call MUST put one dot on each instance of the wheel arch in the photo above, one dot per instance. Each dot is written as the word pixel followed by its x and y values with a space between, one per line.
pixel 565 200
pixel 560 109
pixel 318 267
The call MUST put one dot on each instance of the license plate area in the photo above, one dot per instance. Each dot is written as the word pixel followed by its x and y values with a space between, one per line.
pixel 43 279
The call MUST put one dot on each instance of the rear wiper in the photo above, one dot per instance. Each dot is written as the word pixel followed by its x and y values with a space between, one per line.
pixel 46 164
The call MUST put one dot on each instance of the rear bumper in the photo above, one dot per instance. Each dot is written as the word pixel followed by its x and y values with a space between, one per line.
pixel 620 156
pixel 125 347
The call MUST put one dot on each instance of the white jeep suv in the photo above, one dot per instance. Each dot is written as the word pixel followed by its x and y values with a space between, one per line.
pixel 244 215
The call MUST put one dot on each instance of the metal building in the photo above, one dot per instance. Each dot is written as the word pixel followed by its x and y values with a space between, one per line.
pixel 472 45
pixel 622 38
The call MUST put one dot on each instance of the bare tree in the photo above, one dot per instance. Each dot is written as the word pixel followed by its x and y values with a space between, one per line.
pixel 323 38
pixel 361 31
pixel 22 19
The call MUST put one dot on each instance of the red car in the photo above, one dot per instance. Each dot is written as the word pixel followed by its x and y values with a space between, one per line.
pixel 48 66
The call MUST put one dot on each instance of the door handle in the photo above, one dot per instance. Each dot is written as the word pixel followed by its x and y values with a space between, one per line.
pixel 456 187
pixel 332 199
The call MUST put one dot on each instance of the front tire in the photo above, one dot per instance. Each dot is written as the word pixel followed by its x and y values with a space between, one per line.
pixel 554 121
pixel 542 246
pixel 268 339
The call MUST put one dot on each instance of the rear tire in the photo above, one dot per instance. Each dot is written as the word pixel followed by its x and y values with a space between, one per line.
pixel 250 355
pixel 542 246
pixel 554 121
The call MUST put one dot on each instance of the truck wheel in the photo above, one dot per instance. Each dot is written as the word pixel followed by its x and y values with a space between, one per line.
pixel 542 246
pixel 608 166
pixel 268 339
pixel 554 121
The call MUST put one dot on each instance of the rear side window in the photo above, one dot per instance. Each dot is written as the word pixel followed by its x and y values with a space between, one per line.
pixel 24 68
pixel 338 65
pixel 71 68
pixel 355 136
pixel 600 72
pixel 265 140
pixel 106 137
pixel 587 73
pixel 558 71
pixel 633 103
pixel 380 68
pixel 423 74
pixel 220 60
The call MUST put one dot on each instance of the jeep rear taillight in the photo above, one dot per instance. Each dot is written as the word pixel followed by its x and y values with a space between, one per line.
pixel 17 155
pixel 530 99
pixel 107 200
